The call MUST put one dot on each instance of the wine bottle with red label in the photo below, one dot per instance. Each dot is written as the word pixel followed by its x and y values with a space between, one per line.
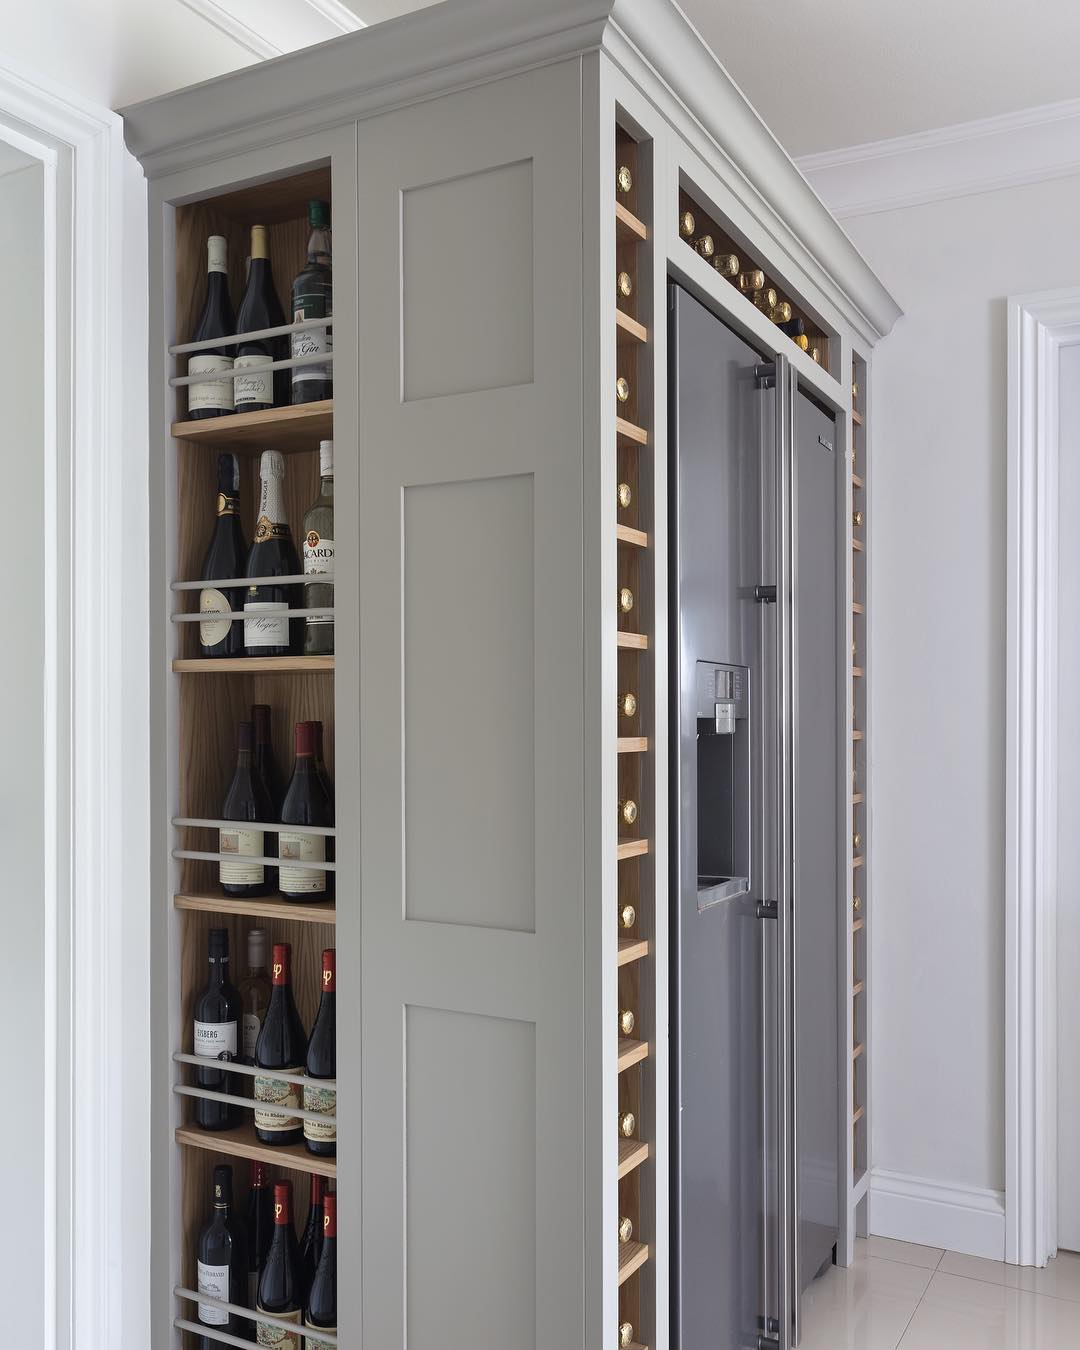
pixel 281 1285
pixel 245 802
pixel 217 1017
pixel 321 1312
pixel 312 1239
pixel 307 802
pixel 282 1045
pixel 320 1136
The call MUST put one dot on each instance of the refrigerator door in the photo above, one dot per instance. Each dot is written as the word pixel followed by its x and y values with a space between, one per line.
pixel 720 429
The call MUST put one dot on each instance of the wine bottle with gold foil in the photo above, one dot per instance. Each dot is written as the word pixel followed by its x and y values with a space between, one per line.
pixel 259 389
pixel 225 560
pixel 626 1022
pixel 627 916
pixel 625 495
pixel 624 284
pixel 626 1335
pixel 687 225
pixel 626 1229
pixel 628 811
pixel 704 245
pixel 626 599
pixel 627 1124
pixel 624 180
pixel 628 704
pixel 727 264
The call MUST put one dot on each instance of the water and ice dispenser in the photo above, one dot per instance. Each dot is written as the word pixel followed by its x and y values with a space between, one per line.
pixel 723 782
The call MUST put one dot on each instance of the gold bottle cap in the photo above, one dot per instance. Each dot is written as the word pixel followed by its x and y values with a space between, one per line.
pixel 628 811
pixel 626 1124
pixel 626 1022
pixel 727 264
pixel 624 178
pixel 801 340
pixel 856 903
pixel 687 227
pixel 854 389
pixel 627 916
pixel 626 285
pixel 626 599
pixel 857 519
pixel 628 705
pixel 625 495
pixel 622 388
pixel 815 355
pixel 753 280
pixel 856 841
pixel 781 312
pixel 705 246
pixel 626 1335
pixel 626 1229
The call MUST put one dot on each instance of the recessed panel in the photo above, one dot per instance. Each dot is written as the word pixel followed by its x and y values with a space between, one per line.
pixel 469 755
pixel 470 1182
pixel 467 283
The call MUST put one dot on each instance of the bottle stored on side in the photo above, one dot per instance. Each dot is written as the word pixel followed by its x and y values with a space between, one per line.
pixel 313 298
pixel 307 802
pixel 282 1045
pixel 217 1015
pixel 254 992
pixel 281 1284
pixel 319 558
pixel 247 803
pixel 320 1136
pixel 259 389
pixel 222 1262
pixel 312 1239
pixel 225 560
pixel 272 554
pixel 321 1312
pixel 213 396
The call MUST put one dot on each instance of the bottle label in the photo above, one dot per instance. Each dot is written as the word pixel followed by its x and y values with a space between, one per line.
pixel 318 561
pixel 216 394
pixel 323 1100
pixel 251 1026
pixel 312 305
pixel 316 1342
pixel 266 630
pixel 280 1093
pixel 213 1280
pixel 214 1039
pixel 277 1338
pixel 240 843
pixel 253 389
pixel 301 848
pixel 214 602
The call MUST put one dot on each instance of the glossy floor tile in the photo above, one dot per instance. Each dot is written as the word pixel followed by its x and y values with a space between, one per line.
pixel 961 1314
pixel 909 1253
pixel 1060 1279
pixel 866 1307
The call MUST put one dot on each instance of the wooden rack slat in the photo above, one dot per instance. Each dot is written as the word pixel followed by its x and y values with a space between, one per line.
pixel 857 607
pixel 856 735
pixel 242 1143
pixel 260 907
pixel 638 641
pixel 856 481
pixel 633 745
pixel 630 431
pixel 626 534
pixel 630 331
pixel 856 417
pixel 857 988
pixel 628 226
pixel 632 1153
pixel 860 1111
pixel 857 672
pixel 859 1048
pixel 251 665
pixel 632 848
pixel 632 949
pixel 859 923
pixel 632 1256
pixel 857 862
pixel 857 545
pixel 300 426
pixel 631 1052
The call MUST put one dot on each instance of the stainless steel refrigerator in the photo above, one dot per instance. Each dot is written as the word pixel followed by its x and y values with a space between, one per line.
pixel 756 807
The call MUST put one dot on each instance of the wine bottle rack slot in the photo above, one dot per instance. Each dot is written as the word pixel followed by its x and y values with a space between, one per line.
pixel 193 1296
pixel 626 534
pixel 629 432
pixel 633 745
pixel 632 1153
pixel 632 848
pixel 632 641
pixel 241 1142
pixel 632 949
pixel 260 907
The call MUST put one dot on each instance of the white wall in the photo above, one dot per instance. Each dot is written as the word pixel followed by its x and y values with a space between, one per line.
pixel 938 633
pixel 24 952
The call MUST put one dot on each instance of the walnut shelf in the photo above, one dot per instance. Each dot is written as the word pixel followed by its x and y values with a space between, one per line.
pixel 632 848
pixel 637 641
pixel 632 1153
pixel 857 988
pixel 298 427
pixel 633 745
pixel 632 1256
pixel 630 432
pixel 251 665
pixel 631 1052
pixel 628 227
pixel 261 907
pixel 630 331
pixel 632 949
pixel 242 1143
pixel 626 534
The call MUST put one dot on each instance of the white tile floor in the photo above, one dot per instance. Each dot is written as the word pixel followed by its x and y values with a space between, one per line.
pixel 898 1296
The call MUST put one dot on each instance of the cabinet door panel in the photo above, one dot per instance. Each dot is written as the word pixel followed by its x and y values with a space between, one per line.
pixel 472 761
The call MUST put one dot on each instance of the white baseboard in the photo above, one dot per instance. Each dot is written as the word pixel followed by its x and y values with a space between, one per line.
pixel 937 1214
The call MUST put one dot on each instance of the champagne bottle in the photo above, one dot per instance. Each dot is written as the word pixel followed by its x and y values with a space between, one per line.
pixel 254 993
pixel 224 561
pixel 246 801
pixel 753 280
pixel 624 179
pixel 322 1301
pixel 626 1335
pixel 628 811
pixel 258 390
pixel 272 554
pixel 260 1226
pixel 625 285
pixel 727 264
pixel 626 599
pixel 221 1262
pixel 627 1124
pixel 213 397
pixel 626 496
pixel 628 704
pixel 626 1229
pixel 319 558
pixel 704 245
pixel 687 225
pixel 282 1044
pixel 622 389
pixel 781 312
pixel 321 1136
pixel 627 916
pixel 281 1284
pixel 307 802
pixel 312 1239
pixel 626 1022
pixel 313 298
pixel 217 1013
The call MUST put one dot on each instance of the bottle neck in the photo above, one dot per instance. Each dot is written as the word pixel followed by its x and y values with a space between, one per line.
pixel 326 487
pixel 305 764
pixel 271 500
pixel 219 969
pixel 318 249
pixel 227 504
pixel 259 274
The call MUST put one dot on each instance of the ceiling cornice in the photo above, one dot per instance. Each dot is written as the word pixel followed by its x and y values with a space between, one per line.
pixel 1030 146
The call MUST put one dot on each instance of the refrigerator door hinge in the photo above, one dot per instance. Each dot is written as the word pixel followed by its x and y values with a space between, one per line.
pixel 766 909
pixel 765 595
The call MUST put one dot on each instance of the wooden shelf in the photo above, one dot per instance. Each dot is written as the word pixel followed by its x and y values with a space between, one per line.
pixel 856 417
pixel 858 1050
pixel 630 431
pixel 856 735
pixel 633 745
pixel 856 481
pixel 628 226
pixel 260 907
pixel 631 1052
pixel 252 665
pixel 857 799
pixel 299 427
pixel 857 545
pixel 857 862
pixel 857 607
pixel 630 331
pixel 632 1256
pixel 856 672
pixel 637 641
pixel 632 848
pixel 626 534
pixel 242 1143
pixel 632 1153
pixel 857 988
pixel 632 949
pixel 860 1111
pixel 859 923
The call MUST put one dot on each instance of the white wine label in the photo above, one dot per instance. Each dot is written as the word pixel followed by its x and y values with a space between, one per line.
pixel 323 1100
pixel 213 1280
pixel 214 1039
pixel 312 341
pixel 277 1338
pixel 250 1028
pixel 216 394
pixel 253 388
pixel 301 848
pixel 316 1342
pixel 280 1093
pixel 239 843
pixel 214 602
pixel 266 630
pixel 318 555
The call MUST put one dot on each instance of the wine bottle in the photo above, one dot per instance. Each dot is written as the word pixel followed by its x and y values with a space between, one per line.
pixel 794 328
pixel 217 1012
pixel 272 554
pixel 254 993
pixel 753 280
pixel 224 561
pixel 625 495
pixel 687 225
pixel 222 1262
pixel 322 1300
pixel 704 245
pixel 626 1335
pixel 626 599
pixel 246 801
pixel 265 762
pixel 626 1228
pixel 281 1284
pixel 321 1136
pixel 258 390
pixel 624 284
pixel 213 397
pixel 628 811
pixel 312 1239
pixel 627 1124
pixel 624 179
pixel 628 704
pixel 727 264
pixel 627 916
pixel 282 1044
pixel 307 802
pixel 319 558
pixel 260 1227
pixel 313 298
pixel 320 762
pixel 626 1022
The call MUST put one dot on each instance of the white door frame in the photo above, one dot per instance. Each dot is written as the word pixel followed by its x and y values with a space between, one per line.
pixel 1040 326
pixel 93 552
